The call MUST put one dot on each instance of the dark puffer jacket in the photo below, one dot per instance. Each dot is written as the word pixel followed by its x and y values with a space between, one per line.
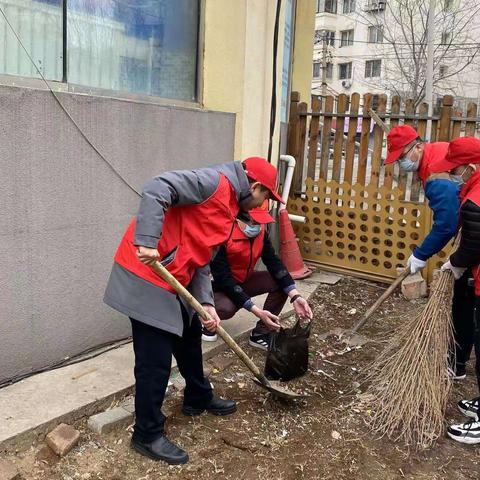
pixel 468 253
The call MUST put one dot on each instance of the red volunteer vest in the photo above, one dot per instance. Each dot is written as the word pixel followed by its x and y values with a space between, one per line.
pixel 191 232
pixel 243 253
pixel 433 160
pixel 471 191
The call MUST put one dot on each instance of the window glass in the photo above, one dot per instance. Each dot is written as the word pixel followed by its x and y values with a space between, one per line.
pixel 344 70
pixel 373 68
pixel 39 26
pixel 145 46
pixel 348 6
pixel 346 38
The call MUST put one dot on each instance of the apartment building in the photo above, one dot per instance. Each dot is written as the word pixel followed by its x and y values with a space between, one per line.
pixel 349 39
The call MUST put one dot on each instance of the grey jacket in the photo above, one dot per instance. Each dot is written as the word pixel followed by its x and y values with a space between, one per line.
pixel 140 299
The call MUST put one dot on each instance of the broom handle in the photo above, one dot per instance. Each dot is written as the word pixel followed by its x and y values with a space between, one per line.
pixel 193 302
pixel 384 296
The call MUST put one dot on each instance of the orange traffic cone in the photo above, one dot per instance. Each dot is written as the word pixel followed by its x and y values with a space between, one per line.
pixel 289 251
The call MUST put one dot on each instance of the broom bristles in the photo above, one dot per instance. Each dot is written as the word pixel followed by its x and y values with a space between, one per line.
pixel 409 384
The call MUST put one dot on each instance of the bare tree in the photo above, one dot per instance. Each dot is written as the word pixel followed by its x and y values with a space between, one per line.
pixel 403 26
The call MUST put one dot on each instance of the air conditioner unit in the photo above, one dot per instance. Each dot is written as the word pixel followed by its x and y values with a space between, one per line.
pixel 346 83
pixel 375 5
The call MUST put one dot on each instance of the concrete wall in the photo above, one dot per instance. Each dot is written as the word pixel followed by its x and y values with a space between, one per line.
pixel 64 210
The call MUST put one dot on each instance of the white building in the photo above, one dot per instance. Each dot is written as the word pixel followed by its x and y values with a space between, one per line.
pixel 349 34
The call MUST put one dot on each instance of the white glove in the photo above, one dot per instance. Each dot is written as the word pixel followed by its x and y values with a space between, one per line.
pixel 457 271
pixel 415 264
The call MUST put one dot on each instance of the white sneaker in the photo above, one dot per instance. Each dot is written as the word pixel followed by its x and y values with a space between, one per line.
pixel 208 336
pixel 468 432
pixel 470 408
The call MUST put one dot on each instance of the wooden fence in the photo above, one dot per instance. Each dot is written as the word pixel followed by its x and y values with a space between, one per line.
pixel 362 217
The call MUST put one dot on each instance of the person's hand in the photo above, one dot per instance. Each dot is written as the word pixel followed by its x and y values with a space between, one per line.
pixel 212 324
pixel 302 308
pixel 457 271
pixel 271 321
pixel 415 264
pixel 147 255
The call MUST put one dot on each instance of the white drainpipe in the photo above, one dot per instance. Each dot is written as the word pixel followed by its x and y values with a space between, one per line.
pixel 286 187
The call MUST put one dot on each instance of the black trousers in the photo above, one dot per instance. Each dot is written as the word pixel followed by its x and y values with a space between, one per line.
pixel 153 357
pixel 466 322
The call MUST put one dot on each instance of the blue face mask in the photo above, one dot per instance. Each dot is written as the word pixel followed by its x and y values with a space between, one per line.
pixel 407 164
pixel 252 231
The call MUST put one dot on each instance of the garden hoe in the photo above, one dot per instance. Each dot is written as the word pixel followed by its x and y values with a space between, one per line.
pixel 273 387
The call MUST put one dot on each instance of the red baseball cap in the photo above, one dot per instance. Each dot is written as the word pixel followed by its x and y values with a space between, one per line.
pixel 259 170
pixel 397 139
pixel 261 215
pixel 463 151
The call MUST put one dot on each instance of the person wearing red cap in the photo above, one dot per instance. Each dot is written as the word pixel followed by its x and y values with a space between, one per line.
pixel 235 280
pixel 184 216
pixel 428 161
pixel 465 261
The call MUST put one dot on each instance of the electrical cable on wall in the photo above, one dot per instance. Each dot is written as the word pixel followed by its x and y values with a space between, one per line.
pixel 273 104
pixel 57 99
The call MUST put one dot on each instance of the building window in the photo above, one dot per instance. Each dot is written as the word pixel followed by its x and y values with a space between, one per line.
pixel 139 47
pixel 329 35
pixel 447 5
pixel 344 70
pixel 346 39
pixel 326 6
pixel 375 34
pixel 443 69
pixel 445 40
pixel 317 70
pixel 348 6
pixel 373 68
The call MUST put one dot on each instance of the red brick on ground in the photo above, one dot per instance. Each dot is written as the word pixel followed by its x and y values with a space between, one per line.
pixel 62 439
pixel 8 471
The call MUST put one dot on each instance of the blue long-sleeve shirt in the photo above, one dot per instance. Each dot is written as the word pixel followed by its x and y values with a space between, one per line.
pixel 444 201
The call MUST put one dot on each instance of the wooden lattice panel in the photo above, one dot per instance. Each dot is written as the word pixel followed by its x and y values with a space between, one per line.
pixel 362 229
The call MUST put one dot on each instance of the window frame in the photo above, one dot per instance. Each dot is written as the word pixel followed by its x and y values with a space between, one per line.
pixel 371 63
pixel 321 3
pixel 378 31
pixel 351 6
pixel 349 41
pixel 66 86
pixel 349 67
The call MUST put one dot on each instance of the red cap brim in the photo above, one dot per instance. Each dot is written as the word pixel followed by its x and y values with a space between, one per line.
pixel 260 215
pixel 392 157
pixel 276 196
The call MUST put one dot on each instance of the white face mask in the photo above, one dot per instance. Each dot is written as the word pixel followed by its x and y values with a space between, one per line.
pixel 408 165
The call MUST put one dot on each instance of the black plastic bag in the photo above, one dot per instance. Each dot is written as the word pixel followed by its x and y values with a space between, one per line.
pixel 287 356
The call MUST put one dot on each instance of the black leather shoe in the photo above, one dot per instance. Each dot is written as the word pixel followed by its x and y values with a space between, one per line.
pixel 217 406
pixel 161 449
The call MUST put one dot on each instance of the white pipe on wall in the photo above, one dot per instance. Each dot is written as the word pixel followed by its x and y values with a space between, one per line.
pixel 291 162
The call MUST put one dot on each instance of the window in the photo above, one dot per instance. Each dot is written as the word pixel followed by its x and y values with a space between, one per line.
pixel 346 38
pixel 443 71
pixel 373 68
pixel 326 6
pixel 147 46
pixel 445 40
pixel 375 34
pixel 329 35
pixel 317 70
pixel 348 6
pixel 344 70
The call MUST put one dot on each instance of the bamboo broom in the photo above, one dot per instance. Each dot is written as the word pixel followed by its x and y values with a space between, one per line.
pixel 409 384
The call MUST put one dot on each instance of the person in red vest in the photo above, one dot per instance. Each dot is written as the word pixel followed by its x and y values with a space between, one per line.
pixel 465 153
pixel 183 217
pixel 235 280
pixel 428 161
pixel 442 190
